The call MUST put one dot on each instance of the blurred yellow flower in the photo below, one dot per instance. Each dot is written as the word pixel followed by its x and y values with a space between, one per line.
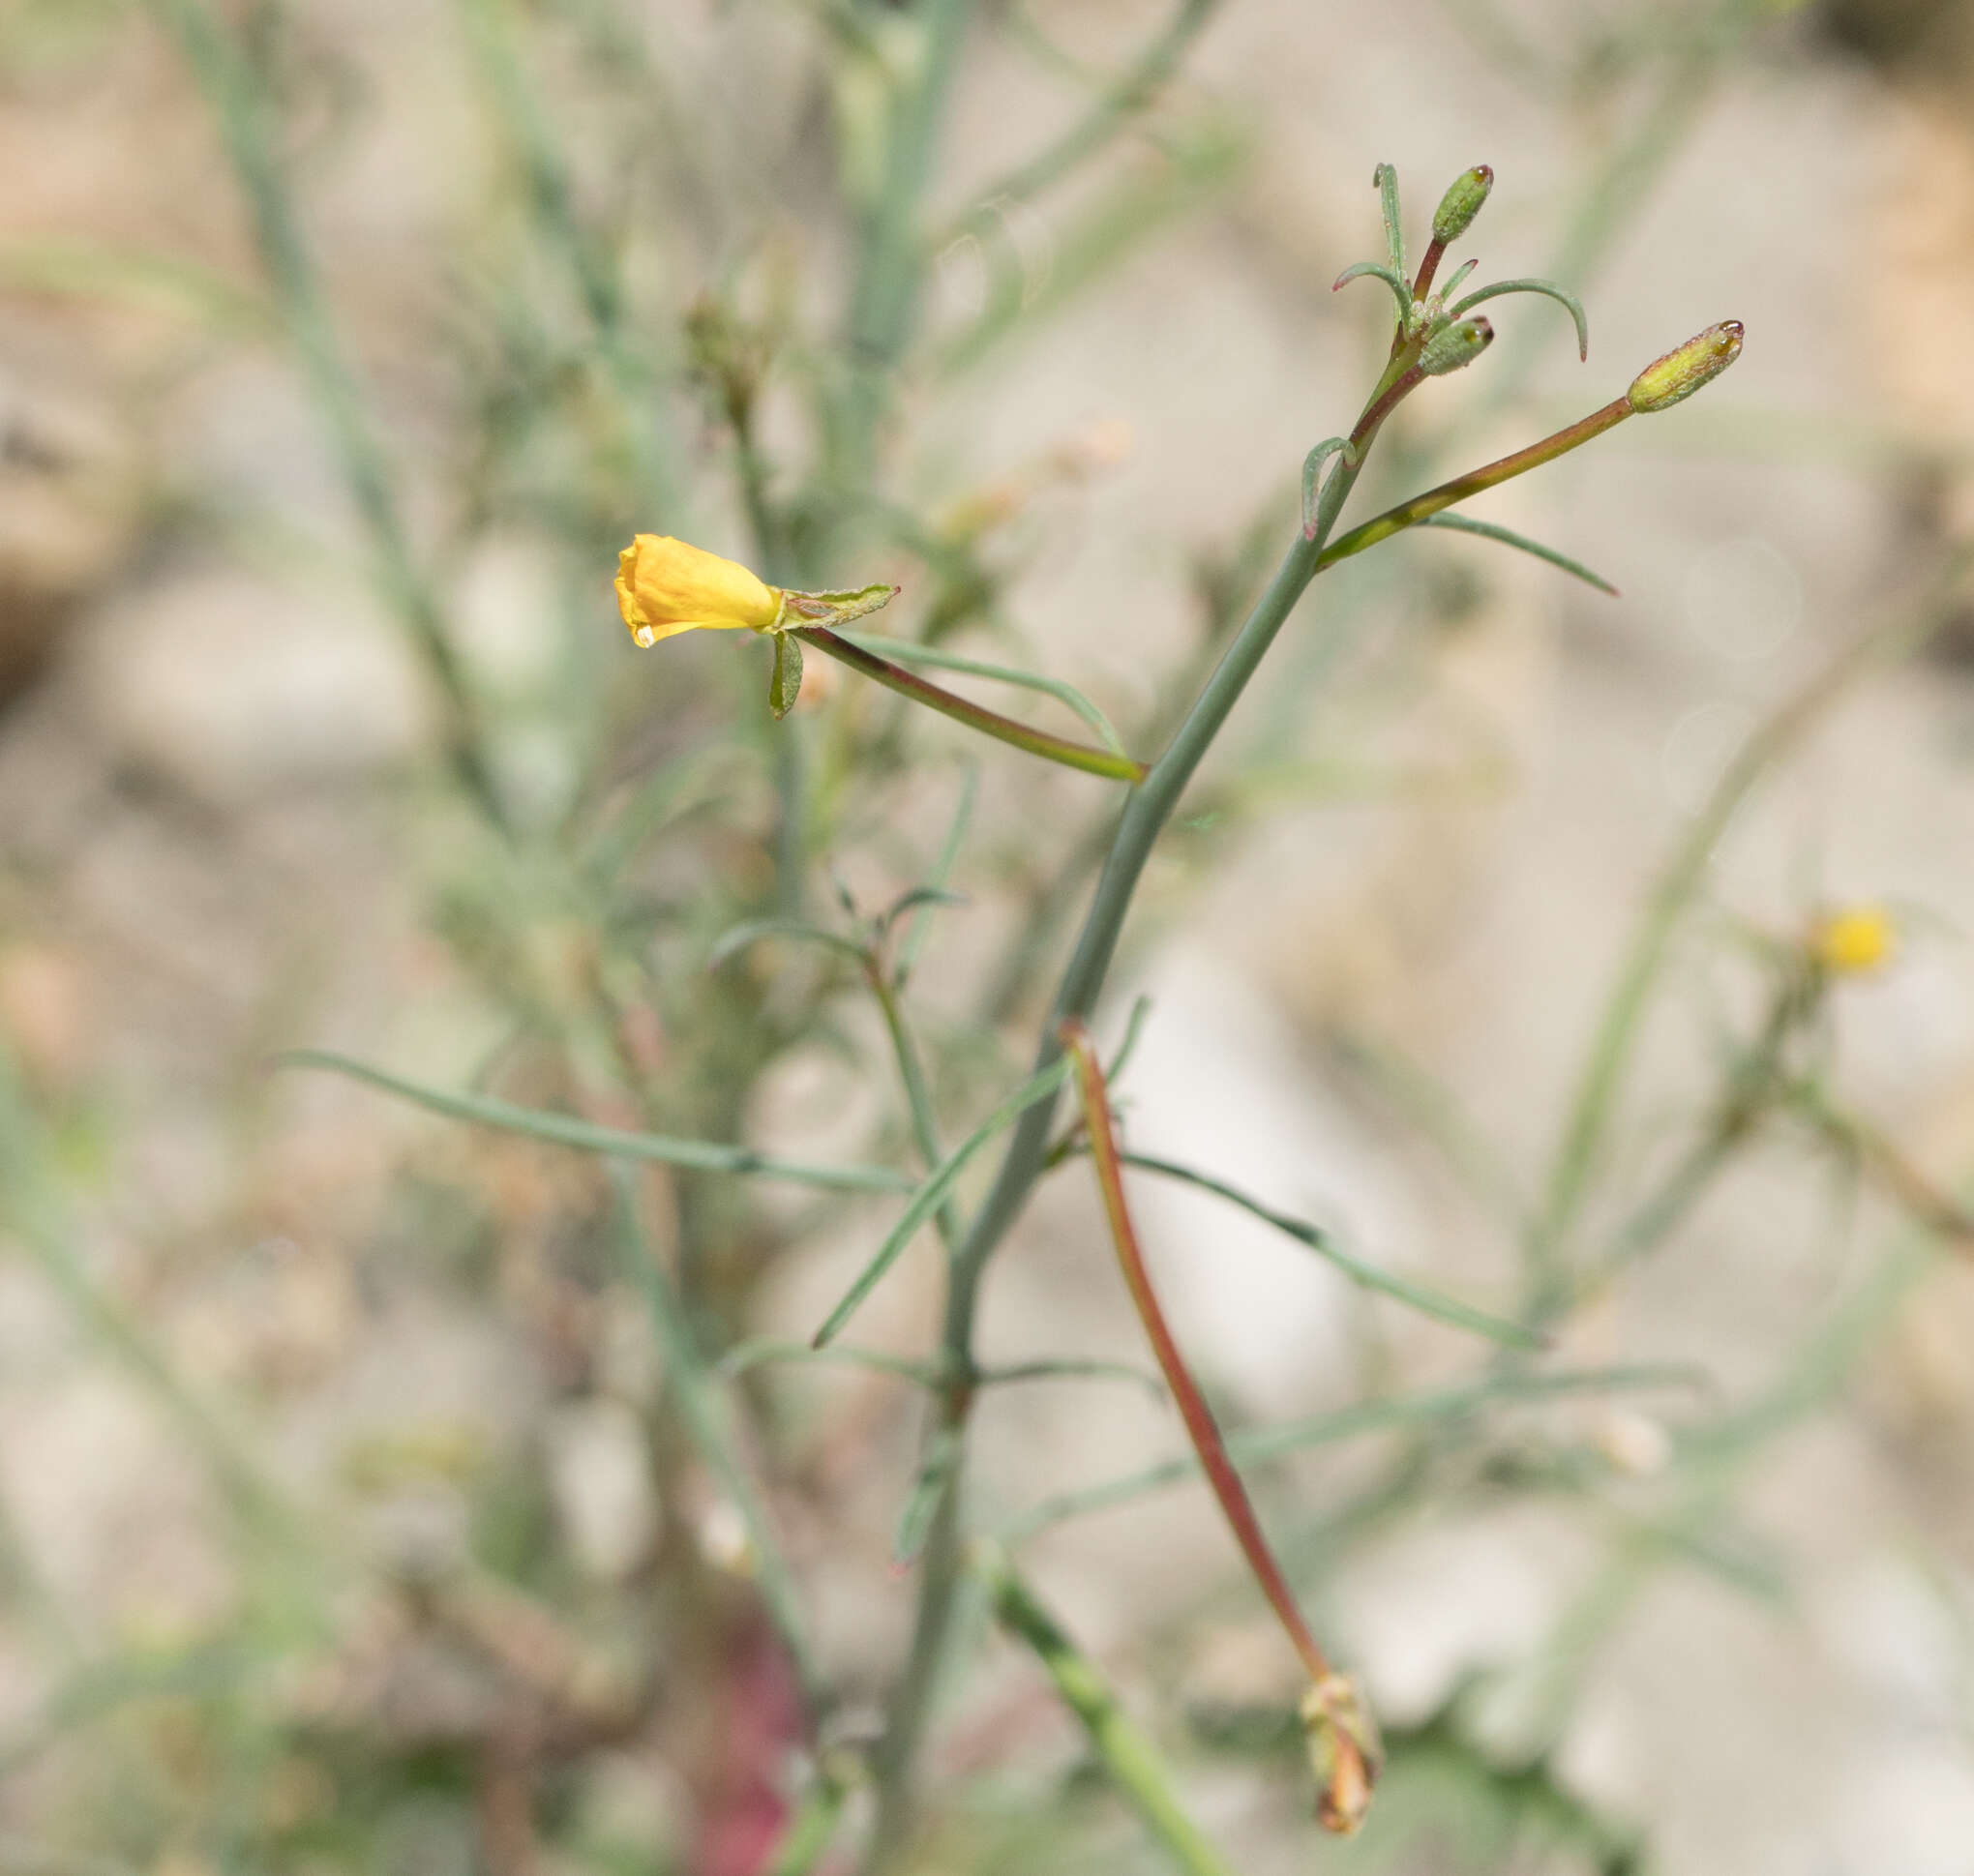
pixel 1854 941
pixel 666 586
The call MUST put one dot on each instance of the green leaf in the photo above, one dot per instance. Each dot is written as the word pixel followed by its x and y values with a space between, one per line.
pixel 1548 289
pixel 921 1503
pixel 1508 537
pixel 921 927
pixel 920 690
pixel 566 1130
pixel 909 652
pixel 1370 270
pixel 931 1195
pixel 1069 1368
pixel 1428 1302
pixel 713 1428
pixel 763 1350
pixel 1385 181
pixel 785 682
pixel 751 931
pixel 1312 470
pixel 1451 284
pixel 1254 1445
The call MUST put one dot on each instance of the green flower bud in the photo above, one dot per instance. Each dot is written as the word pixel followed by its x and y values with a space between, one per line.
pixel 1459 205
pixel 1456 345
pixel 1681 371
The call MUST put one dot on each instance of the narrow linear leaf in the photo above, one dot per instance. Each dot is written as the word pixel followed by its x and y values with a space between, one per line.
pixel 909 652
pixel 942 1461
pixel 1457 278
pixel 1370 270
pixel 1134 1027
pixel 932 1194
pixel 811 1830
pixel 1428 1302
pixel 751 931
pixel 760 1350
pixel 1053 1368
pixel 921 927
pixel 1312 472
pixel 991 722
pixel 1385 181
pixel 566 1130
pixel 707 1412
pixel 1114 107
pixel 1254 1445
pixel 1130 1759
pixel 1508 537
pixel 1548 289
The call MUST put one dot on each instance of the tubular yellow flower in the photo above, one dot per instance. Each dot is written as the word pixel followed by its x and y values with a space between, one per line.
pixel 666 586
pixel 1855 942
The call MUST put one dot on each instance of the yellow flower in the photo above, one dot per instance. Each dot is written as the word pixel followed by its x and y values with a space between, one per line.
pixel 666 586
pixel 1854 941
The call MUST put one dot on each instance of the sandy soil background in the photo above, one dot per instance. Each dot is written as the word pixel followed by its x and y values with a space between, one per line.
pixel 211 848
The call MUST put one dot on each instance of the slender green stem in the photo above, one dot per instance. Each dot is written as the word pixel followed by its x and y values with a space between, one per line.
pixel 990 723
pixel 1113 109
pixel 884 303
pixel 1129 1757
pixel 917 1094
pixel 812 1828
pixel 238 103
pixel 545 168
pixel 1146 812
pixel 1150 806
pixel 708 1419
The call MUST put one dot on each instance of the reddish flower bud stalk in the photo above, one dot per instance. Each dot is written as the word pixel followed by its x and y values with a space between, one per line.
pixel 1342 1742
pixel 1661 385
pixel 1454 217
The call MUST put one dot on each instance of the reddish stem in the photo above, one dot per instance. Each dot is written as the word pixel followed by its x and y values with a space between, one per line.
pixel 1200 1424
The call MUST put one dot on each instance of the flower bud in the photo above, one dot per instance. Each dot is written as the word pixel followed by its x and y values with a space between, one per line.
pixel 666 586
pixel 1459 205
pixel 1345 1752
pixel 1683 371
pixel 1454 346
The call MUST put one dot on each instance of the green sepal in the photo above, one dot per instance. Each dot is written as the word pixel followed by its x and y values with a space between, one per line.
pixel 785 682
pixel 838 608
